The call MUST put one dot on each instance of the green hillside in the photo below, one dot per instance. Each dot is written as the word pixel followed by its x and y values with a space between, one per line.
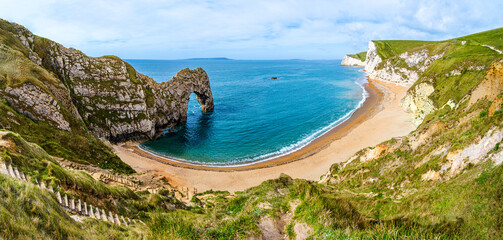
pixel 442 181
pixel 390 48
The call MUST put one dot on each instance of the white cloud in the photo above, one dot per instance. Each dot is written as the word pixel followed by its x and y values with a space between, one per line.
pixel 245 29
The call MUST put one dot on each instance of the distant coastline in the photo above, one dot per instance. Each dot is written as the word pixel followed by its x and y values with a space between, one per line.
pixel 216 58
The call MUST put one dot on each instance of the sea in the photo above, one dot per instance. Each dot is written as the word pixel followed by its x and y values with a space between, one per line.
pixel 263 108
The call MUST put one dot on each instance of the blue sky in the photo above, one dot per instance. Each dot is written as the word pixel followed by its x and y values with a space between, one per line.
pixel 250 29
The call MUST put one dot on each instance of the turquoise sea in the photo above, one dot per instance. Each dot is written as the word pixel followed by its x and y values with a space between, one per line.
pixel 257 117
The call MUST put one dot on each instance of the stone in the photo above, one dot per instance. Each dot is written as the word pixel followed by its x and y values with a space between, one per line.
pixel 16 172
pixel 91 213
pixel 58 197
pixel 97 214
pixel 116 219
pixel 66 201
pixel 85 209
pixel 123 220
pixel 418 103
pixel 110 217
pixel 79 207
pixel 10 170
pixel 42 185
pixel 3 169
pixel 103 215
pixel 416 62
pixel 372 58
pixel 37 104
pixel 72 204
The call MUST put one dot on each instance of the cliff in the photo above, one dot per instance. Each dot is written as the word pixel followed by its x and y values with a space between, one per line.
pixel 352 61
pixel 429 68
pixel 109 95
pixel 453 160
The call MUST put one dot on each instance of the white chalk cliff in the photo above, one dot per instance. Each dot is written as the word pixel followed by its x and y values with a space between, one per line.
pixel 352 62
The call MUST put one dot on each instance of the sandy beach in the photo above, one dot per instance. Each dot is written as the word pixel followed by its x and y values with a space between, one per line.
pixel 379 119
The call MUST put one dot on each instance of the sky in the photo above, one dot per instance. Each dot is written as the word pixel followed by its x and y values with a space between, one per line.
pixel 250 29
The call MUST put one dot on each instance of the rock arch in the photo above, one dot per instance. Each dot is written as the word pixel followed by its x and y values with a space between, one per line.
pixel 173 96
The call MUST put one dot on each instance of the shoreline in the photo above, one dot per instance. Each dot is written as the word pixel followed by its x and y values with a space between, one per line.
pixel 370 106
pixel 385 120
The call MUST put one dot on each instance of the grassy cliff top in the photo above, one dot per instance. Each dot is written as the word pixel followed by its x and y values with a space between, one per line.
pixel 361 55
pixel 389 48
pixel 492 37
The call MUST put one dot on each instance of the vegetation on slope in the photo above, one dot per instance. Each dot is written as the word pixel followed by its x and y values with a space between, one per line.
pixel 394 186
pixel 40 166
pixel 417 177
pixel 389 48
pixel 27 212
pixel 79 145
pixel 361 55
pixel 492 37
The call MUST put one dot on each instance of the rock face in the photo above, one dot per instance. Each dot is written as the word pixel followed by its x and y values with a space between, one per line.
pixel 37 105
pixel 107 94
pixel 491 85
pixel 403 69
pixel 418 103
pixel 352 62
pixel 372 58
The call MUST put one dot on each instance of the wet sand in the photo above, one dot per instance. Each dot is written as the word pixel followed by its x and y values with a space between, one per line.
pixel 379 119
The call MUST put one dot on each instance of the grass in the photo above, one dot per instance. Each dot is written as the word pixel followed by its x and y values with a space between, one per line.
pixel 329 214
pixel 361 55
pixel 32 159
pixel 492 37
pixel 390 48
pixel 389 189
pixel 35 162
pixel 16 70
pixel 27 212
